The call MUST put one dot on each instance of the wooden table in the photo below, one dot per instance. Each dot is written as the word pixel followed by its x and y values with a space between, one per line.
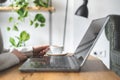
pixel 93 69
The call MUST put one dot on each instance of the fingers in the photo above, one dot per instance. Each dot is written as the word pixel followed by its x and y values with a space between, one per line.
pixel 44 47
pixel 39 48
pixel 43 52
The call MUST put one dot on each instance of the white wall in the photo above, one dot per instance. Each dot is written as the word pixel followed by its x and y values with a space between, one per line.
pixel 102 49
pixel 97 9
pixel 100 8
pixel 103 8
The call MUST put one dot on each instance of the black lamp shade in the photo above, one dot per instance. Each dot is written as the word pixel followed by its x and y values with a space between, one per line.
pixel 83 10
pixel 2 1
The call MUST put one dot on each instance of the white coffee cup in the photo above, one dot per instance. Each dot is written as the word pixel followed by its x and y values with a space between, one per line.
pixel 56 49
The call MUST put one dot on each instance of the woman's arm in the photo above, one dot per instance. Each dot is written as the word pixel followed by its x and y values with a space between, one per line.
pixel 34 51
pixel 10 59
pixel 7 60
pixel 17 55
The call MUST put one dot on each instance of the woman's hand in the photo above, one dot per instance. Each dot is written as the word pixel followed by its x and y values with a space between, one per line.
pixel 37 51
pixel 40 50
pixel 20 55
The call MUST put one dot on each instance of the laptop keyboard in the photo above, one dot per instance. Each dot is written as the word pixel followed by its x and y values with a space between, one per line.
pixel 59 62
pixel 50 61
pixel 40 62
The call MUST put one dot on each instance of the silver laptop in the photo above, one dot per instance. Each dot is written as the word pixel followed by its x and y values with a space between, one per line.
pixel 68 63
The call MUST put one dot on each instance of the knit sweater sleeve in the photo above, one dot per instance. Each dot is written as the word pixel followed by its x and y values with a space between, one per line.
pixel 28 51
pixel 7 60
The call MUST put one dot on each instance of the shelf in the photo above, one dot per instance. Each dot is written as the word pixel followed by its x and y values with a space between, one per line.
pixel 29 8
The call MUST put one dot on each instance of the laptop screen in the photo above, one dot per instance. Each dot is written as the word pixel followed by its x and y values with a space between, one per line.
pixel 89 38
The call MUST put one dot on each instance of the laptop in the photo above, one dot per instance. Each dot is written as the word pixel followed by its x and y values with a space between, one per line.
pixel 68 63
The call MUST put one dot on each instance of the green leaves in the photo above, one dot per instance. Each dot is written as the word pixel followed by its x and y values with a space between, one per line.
pixel 22 12
pixel 12 41
pixel 15 28
pixel 36 25
pixel 22 38
pixel 43 3
pixel 20 3
pixel 10 19
pixel 31 22
pixel 39 20
pixel 8 28
pixel 42 25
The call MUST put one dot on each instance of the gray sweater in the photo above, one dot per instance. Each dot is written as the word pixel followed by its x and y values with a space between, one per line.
pixel 7 59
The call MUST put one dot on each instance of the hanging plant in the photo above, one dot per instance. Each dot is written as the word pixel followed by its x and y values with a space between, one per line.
pixel 39 20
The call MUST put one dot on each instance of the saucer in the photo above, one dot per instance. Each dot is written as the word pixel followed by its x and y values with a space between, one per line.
pixel 56 51
pixel 57 54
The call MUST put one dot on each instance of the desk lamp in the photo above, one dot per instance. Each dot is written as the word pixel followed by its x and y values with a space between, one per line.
pixel 83 9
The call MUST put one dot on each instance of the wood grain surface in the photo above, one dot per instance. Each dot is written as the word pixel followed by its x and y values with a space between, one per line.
pixel 93 69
